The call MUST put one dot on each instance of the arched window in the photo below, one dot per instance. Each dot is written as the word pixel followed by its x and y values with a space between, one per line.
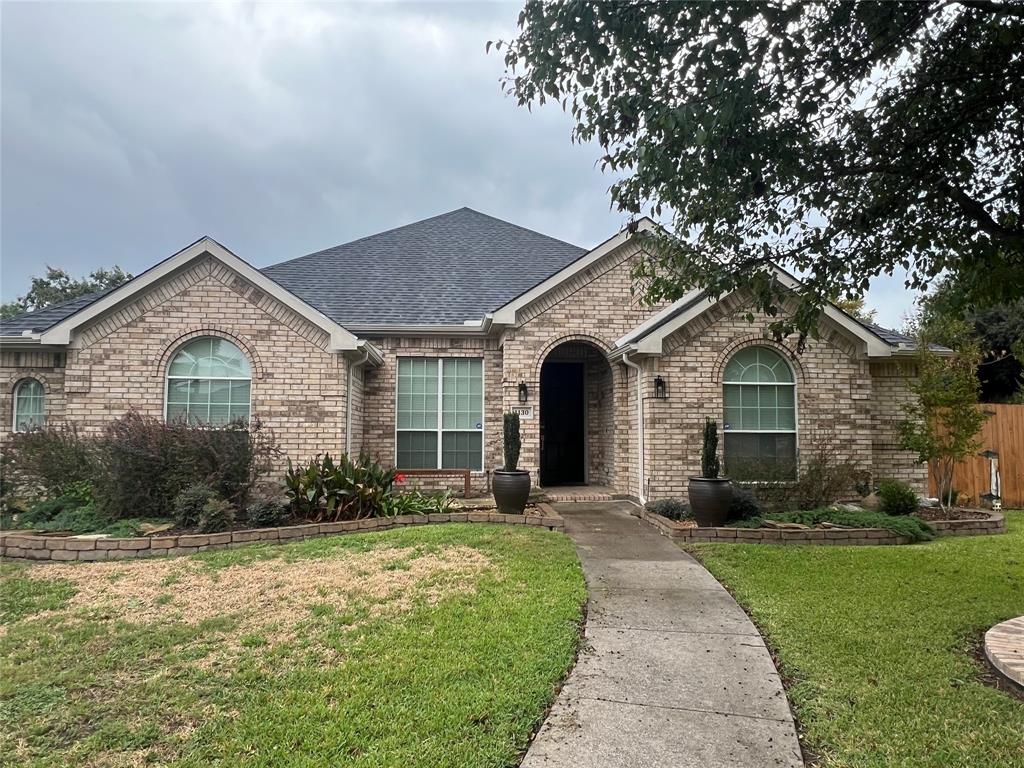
pixel 29 405
pixel 208 382
pixel 760 416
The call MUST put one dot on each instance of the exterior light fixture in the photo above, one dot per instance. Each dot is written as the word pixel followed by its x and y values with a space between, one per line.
pixel 524 392
pixel 659 388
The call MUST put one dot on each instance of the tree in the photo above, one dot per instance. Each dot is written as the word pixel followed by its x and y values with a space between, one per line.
pixel 58 286
pixel 944 419
pixel 998 330
pixel 857 309
pixel 840 140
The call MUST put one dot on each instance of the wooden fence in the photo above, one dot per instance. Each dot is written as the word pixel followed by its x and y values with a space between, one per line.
pixel 1003 433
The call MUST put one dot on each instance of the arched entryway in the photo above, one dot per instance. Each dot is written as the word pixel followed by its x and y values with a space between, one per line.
pixel 576 416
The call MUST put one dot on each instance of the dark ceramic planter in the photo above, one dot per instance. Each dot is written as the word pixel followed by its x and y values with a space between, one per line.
pixel 511 490
pixel 710 500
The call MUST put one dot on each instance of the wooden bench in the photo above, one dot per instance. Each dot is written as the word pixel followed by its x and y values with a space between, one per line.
pixel 463 473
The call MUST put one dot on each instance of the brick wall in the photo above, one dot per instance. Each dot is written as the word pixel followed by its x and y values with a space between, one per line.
pixel 298 387
pixel 46 366
pixel 889 395
pixel 379 400
pixel 833 391
pixel 595 307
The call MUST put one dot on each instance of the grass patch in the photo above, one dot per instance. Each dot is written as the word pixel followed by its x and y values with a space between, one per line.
pixel 877 643
pixel 432 646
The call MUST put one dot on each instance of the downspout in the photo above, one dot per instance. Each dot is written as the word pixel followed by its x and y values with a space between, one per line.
pixel 348 399
pixel 639 422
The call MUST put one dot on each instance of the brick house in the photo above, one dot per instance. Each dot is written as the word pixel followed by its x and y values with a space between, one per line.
pixel 411 344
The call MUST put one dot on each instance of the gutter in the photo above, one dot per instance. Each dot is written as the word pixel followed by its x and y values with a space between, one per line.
pixel 639 422
pixel 352 364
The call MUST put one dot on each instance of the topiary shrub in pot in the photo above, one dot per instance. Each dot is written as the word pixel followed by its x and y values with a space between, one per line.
pixel 511 486
pixel 710 495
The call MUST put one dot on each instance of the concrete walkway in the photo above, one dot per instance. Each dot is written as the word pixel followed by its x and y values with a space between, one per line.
pixel 672 672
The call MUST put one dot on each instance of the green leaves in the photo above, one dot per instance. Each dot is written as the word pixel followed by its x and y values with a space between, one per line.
pixel 885 135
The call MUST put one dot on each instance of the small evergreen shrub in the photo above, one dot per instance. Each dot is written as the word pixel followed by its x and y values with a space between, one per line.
pixel 188 505
pixel 896 498
pixel 709 463
pixel 512 441
pixel 744 504
pixel 266 513
pixel 902 525
pixel 218 515
pixel 673 509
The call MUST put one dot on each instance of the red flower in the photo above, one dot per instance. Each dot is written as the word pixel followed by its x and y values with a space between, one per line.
pixel 399 478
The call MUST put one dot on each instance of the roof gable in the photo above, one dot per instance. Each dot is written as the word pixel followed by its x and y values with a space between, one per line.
pixel 62 331
pixel 649 337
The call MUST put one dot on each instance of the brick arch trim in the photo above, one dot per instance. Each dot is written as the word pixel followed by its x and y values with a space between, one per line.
pixel 172 346
pixel 16 378
pixel 755 340
pixel 601 345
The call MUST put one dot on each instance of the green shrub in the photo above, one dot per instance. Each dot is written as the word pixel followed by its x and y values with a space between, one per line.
pixel 344 490
pixel 218 515
pixel 416 503
pixel 744 504
pixel 827 475
pixel 511 441
pixel 902 525
pixel 673 509
pixel 48 510
pixel 896 498
pixel 189 503
pixel 709 463
pixel 266 513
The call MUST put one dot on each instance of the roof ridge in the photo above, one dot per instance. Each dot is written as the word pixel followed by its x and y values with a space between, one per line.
pixel 415 223
pixel 520 226
pixel 365 237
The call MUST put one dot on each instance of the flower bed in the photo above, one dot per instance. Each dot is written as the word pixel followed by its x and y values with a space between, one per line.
pixel 29 546
pixel 982 523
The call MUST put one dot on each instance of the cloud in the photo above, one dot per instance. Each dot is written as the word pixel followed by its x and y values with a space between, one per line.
pixel 130 129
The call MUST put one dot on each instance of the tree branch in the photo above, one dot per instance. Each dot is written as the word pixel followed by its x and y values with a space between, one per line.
pixel 992 6
pixel 985 222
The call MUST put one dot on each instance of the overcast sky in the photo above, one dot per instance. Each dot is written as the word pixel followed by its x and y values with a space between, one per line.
pixel 131 129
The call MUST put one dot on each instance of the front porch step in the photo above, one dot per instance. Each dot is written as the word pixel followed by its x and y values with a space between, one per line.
pixel 580 493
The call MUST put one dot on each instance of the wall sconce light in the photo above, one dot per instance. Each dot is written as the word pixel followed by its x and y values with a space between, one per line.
pixel 659 388
pixel 524 392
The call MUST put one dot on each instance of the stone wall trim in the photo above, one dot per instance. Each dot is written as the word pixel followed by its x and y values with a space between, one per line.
pixel 31 547
pixel 991 523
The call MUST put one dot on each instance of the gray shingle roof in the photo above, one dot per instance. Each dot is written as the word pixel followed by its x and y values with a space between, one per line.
pixel 42 319
pixel 444 270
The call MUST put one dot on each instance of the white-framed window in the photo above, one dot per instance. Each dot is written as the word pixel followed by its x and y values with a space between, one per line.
pixel 760 416
pixel 29 405
pixel 208 382
pixel 440 413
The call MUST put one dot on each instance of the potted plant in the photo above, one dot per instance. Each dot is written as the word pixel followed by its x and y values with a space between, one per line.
pixel 511 486
pixel 710 495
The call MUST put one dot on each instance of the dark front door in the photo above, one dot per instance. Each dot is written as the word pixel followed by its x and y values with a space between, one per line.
pixel 561 424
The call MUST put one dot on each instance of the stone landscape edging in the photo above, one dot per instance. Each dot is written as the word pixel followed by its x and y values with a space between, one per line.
pixel 986 523
pixel 34 547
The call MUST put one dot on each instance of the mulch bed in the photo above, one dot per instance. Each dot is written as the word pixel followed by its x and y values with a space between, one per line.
pixel 929 514
pixel 469 505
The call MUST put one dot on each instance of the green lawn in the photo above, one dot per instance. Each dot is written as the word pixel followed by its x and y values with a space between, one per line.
pixel 431 646
pixel 878 641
